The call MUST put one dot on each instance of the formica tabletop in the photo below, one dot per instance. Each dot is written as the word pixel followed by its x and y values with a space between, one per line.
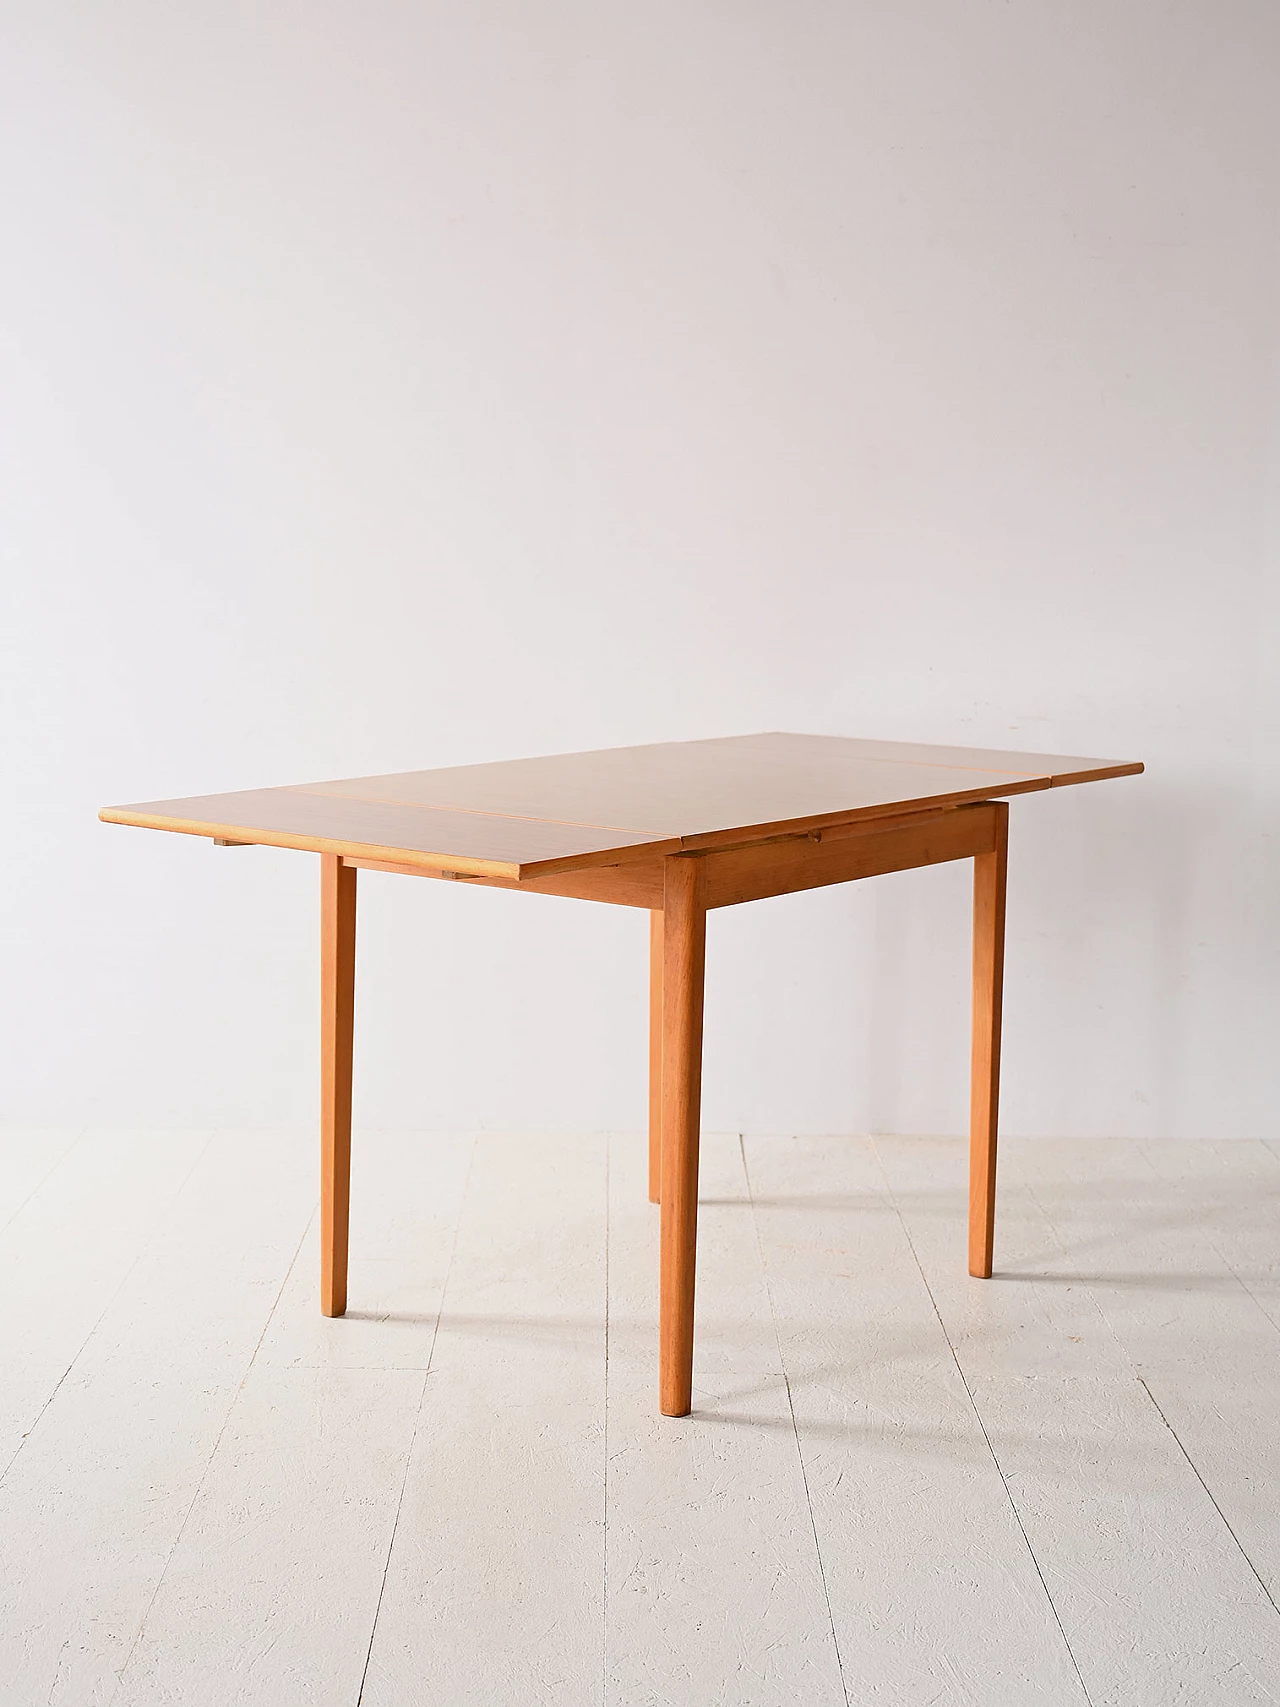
pixel 524 818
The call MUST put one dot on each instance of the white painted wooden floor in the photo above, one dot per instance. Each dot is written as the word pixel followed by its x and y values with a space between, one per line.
pixel 899 1486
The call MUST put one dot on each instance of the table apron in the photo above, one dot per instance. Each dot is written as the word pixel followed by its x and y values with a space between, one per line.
pixel 803 862
pixel 778 867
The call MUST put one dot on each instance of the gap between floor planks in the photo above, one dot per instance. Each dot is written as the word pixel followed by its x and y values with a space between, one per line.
pixel 956 1488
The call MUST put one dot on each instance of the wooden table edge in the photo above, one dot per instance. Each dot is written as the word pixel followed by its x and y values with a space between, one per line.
pixel 246 835
pixel 1037 784
pixel 436 863
pixel 1130 767
pixel 679 879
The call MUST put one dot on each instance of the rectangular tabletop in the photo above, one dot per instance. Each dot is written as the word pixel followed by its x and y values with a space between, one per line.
pixel 524 818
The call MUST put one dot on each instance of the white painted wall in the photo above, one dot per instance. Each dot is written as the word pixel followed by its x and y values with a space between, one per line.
pixel 400 385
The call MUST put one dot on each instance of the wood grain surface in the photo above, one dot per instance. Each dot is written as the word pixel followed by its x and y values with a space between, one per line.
pixel 524 818
pixel 337 1020
pixel 684 950
pixel 989 878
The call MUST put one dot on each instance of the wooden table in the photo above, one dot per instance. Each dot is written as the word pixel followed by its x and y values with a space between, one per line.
pixel 677 828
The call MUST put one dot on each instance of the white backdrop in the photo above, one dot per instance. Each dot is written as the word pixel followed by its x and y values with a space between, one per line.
pixel 399 385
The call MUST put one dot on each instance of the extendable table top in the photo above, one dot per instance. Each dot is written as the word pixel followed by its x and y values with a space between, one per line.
pixel 677 828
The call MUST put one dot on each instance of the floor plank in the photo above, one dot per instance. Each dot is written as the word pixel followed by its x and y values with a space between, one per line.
pixel 1230 1190
pixel 1204 1348
pixel 715 1592
pixel 1153 1595
pixel 1222 1402
pixel 67 1251
pixel 935 1592
pixel 956 1491
pixel 27 1157
pixel 495 1581
pixel 272 1589
pixel 92 1506
pixel 406 1196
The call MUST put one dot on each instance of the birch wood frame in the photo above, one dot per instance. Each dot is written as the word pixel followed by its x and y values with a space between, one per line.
pixel 678 891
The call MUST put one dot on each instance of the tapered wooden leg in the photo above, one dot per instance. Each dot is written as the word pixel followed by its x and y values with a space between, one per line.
pixel 684 956
pixel 984 1085
pixel 655 1055
pixel 337 1013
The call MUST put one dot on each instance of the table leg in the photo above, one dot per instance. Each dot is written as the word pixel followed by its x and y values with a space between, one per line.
pixel 655 1055
pixel 684 956
pixel 984 1088
pixel 337 1013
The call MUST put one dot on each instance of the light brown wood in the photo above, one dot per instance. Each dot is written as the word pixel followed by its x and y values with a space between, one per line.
pixel 635 885
pixel 839 853
pixel 655 1055
pixel 337 1016
pixel 684 931
pixel 677 829
pixel 477 843
pixel 809 862
pixel 536 817
pixel 688 788
pixel 989 872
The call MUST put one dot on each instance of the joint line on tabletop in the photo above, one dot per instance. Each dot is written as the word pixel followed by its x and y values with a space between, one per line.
pixel 417 1421
pixel 1209 1491
pixel 936 765
pixel 204 1474
pixel 791 1410
pixel 479 812
pixel 98 1320
pixel 978 1418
